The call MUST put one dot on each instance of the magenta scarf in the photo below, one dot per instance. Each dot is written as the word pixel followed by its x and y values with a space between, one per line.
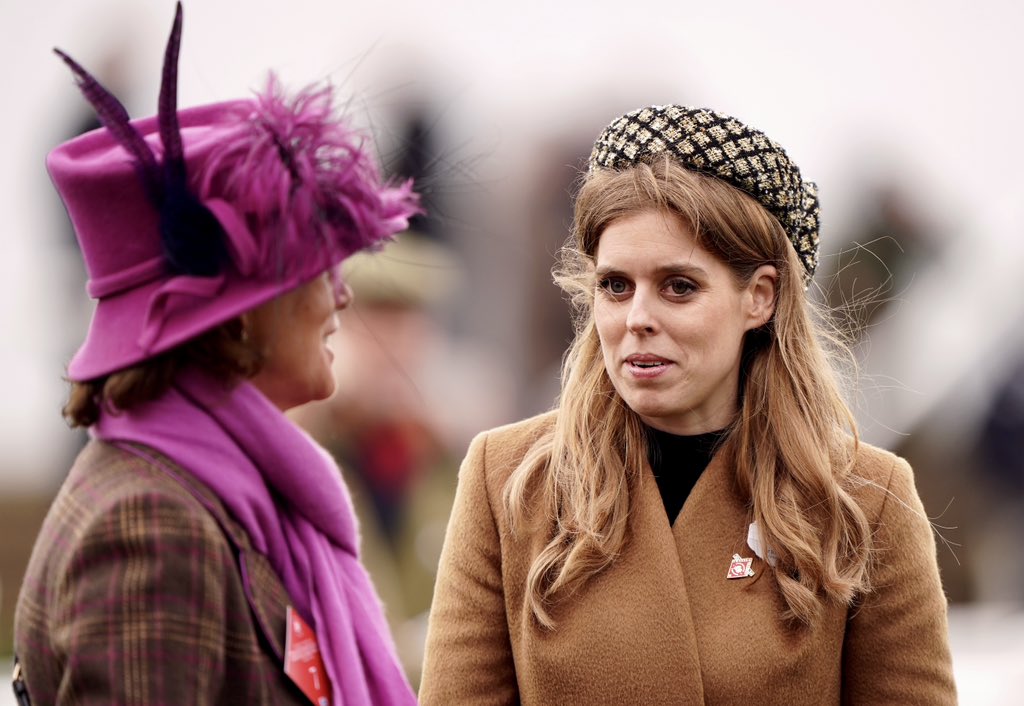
pixel 287 493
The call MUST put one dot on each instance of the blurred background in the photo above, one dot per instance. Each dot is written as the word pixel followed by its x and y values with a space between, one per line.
pixel 905 113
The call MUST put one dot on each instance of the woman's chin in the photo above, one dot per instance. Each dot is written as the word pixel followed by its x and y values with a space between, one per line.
pixel 324 390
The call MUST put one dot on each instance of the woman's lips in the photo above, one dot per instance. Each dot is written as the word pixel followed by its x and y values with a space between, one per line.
pixel 328 350
pixel 643 365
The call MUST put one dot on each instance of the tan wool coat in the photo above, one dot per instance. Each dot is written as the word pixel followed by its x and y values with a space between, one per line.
pixel 663 624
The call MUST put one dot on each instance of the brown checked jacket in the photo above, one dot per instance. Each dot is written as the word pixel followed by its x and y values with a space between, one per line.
pixel 663 624
pixel 141 590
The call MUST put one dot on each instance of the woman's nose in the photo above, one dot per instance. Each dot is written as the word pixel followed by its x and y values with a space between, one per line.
pixel 342 294
pixel 340 290
pixel 640 318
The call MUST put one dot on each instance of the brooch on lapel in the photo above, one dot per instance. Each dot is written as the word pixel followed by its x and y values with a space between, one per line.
pixel 739 568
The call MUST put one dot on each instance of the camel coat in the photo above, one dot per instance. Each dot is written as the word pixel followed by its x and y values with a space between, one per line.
pixel 663 624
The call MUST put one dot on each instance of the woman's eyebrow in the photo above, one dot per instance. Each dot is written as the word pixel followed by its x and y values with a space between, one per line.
pixel 681 268
pixel 670 268
pixel 605 270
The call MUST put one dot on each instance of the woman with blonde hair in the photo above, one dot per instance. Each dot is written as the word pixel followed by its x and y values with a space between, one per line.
pixel 697 521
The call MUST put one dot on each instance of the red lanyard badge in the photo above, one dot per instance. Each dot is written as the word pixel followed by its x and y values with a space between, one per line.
pixel 302 661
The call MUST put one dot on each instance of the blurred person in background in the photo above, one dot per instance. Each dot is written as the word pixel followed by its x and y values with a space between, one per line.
pixel 390 423
pixel 383 425
pixel 203 549
pixel 1000 447
pixel 877 260
pixel 696 522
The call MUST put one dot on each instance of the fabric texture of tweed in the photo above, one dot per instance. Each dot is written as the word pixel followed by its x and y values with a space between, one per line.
pixel 723 147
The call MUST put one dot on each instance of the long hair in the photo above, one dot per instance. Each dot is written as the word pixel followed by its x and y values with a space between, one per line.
pixel 792 443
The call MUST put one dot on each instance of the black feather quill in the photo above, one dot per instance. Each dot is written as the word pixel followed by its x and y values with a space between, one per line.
pixel 193 239
pixel 114 117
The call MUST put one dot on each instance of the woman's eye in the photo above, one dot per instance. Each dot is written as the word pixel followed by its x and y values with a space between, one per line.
pixel 614 285
pixel 681 287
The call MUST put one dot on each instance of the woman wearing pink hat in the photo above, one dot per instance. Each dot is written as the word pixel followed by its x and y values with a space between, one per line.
pixel 203 550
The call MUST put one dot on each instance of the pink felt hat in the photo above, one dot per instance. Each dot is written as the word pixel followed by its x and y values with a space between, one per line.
pixel 189 218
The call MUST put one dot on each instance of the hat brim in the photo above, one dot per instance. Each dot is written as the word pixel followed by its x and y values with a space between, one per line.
pixel 118 323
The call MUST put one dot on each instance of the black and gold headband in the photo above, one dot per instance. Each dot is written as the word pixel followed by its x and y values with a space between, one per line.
pixel 723 147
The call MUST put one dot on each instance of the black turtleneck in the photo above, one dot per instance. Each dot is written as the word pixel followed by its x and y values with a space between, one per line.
pixel 677 462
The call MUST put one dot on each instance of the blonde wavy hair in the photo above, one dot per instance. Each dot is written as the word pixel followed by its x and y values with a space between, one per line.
pixel 792 443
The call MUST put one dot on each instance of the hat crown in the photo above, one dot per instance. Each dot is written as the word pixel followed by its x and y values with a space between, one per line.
pixel 117 226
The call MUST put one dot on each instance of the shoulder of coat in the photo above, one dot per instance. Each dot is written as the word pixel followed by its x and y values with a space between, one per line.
pixel 873 462
pixel 112 474
pixel 107 476
pixel 514 440
pixel 523 432
pixel 878 474
pixel 500 450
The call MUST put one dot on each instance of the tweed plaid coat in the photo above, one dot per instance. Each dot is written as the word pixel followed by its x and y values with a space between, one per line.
pixel 663 624
pixel 134 594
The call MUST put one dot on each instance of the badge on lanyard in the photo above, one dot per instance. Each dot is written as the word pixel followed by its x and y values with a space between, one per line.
pixel 302 661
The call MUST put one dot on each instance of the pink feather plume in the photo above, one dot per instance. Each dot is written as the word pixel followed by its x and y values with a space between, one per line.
pixel 307 183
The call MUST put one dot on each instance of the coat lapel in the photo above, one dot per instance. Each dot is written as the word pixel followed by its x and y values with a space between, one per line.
pixel 710 529
pixel 712 526
pixel 654 538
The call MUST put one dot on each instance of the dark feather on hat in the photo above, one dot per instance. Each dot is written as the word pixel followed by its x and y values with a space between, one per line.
pixel 114 117
pixel 192 237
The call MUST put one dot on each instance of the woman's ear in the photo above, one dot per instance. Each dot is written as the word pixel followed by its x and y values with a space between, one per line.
pixel 760 293
pixel 245 330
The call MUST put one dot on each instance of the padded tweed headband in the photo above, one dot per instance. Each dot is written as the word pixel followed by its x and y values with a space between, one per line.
pixel 707 141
